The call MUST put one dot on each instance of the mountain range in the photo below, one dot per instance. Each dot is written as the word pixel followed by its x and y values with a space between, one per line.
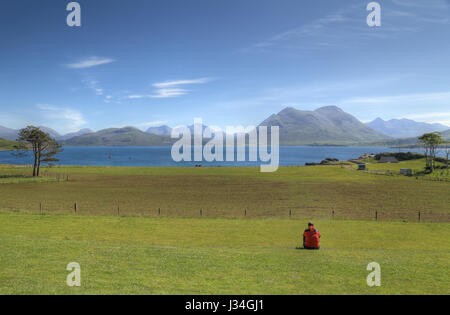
pixel 407 142
pixel 8 134
pixel 404 128
pixel 75 134
pixel 160 131
pixel 128 136
pixel 12 134
pixel 327 125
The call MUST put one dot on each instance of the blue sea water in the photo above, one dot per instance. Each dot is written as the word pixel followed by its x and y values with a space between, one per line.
pixel 161 156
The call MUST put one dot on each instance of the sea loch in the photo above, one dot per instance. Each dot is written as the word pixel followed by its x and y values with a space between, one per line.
pixel 161 156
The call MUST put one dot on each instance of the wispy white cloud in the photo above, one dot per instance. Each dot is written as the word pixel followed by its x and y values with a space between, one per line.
pixel 309 30
pixel 94 86
pixel 90 62
pixel 161 93
pixel 169 84
pixel 137 96
pixel 311 94
pixel 422 12
pixel 346 28
pixel 108 99
pixel 69 120
pixel 170 89
pixel 429 4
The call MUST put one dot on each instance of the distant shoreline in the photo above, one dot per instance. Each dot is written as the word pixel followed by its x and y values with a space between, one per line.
pixel 160 156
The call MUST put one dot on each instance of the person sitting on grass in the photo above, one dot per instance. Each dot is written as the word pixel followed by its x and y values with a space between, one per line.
pixel 311 237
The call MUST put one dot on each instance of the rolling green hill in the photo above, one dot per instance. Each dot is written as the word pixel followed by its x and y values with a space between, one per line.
pixel 128 136
pixel 7 145
pixel 324 126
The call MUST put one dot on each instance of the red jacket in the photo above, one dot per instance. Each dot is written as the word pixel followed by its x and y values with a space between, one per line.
pixel 311 238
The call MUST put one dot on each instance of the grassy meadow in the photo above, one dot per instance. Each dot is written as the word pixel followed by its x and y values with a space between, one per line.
pixel 221 231
pixel 416 165
pixel 132 255
pixel 303 192
pixel 6 145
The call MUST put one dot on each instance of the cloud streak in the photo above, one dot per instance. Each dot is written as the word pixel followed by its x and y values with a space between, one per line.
pixel 94 86
pixel 170 89
pixel 347 27
pixel 309 30
pixel 169 84
pixel 161 93
pixel 90 63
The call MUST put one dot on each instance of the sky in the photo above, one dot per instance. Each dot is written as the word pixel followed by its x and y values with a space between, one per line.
pixel 230 62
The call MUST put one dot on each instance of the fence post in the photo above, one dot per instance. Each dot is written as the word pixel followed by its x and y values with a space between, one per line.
pixel 201 212
pixel 290 213
pixel 76 208
pixel 332 214
pixel 118 209
pixel 245 212
pixel 419 216
pixel 159 211
pixel 376 215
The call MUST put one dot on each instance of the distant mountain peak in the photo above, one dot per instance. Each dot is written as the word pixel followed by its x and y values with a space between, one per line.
pixel 160 130
pixel 8 133
pixel 286 110
pixel 86 130
pixel 324 126
pixel 126 136
pixel 78 133
pixel 53 133
pixel 329 108
pixel 404 128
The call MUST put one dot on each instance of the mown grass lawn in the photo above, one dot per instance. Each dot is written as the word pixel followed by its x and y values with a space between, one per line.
pixel 135 255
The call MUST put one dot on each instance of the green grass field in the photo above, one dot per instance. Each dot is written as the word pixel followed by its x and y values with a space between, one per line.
pixel 306 192
pixel 6 145
pixel 417 167
pixel 139 250
pixel 132 255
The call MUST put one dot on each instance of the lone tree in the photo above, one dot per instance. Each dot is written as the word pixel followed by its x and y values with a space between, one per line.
pixel 431 142
pixel 43 146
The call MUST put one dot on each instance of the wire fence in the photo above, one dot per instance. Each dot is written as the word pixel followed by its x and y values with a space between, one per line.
pixel 195 210
pixel 121 209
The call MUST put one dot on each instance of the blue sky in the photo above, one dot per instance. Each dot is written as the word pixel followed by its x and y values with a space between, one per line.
pixel 230 62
